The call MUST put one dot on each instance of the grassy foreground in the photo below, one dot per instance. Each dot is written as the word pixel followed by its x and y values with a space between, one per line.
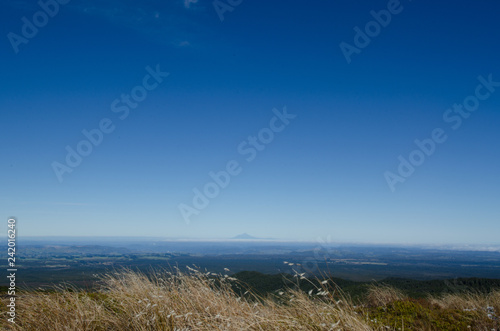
pixel 202 301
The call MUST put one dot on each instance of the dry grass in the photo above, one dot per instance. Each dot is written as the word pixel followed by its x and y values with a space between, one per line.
pixel 382 295
pixel 482 304
pixel 469 301
pixel 196 301
pixel 166 301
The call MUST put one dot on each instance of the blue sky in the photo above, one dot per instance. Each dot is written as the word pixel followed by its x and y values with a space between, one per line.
pixel 323 175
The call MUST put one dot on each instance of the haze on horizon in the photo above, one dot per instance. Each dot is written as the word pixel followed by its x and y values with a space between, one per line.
pixel 277 120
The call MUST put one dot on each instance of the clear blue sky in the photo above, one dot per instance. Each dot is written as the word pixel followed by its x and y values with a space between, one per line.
pixel 323 175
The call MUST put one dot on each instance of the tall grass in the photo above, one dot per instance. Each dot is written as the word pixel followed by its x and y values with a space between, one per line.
pixel 176 301
pixel 382 295
pixel 166 300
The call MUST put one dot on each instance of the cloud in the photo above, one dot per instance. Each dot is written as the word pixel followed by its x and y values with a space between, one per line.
pixel 54 203
pixel 187 3
pixel 184 43
pixel 71 204
pixel 22 5
pixel 159 21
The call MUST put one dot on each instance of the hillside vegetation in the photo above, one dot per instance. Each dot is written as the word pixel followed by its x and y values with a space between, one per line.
pixel 166 300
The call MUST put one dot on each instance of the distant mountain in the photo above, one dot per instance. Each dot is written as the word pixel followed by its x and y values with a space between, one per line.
pixel 244 236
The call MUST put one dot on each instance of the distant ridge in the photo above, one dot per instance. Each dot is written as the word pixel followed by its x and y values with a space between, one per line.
pixel 244 236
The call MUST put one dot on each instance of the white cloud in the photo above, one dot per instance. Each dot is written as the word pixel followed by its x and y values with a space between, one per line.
pixel 184 43
pixel 187 3
pixel 160 22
